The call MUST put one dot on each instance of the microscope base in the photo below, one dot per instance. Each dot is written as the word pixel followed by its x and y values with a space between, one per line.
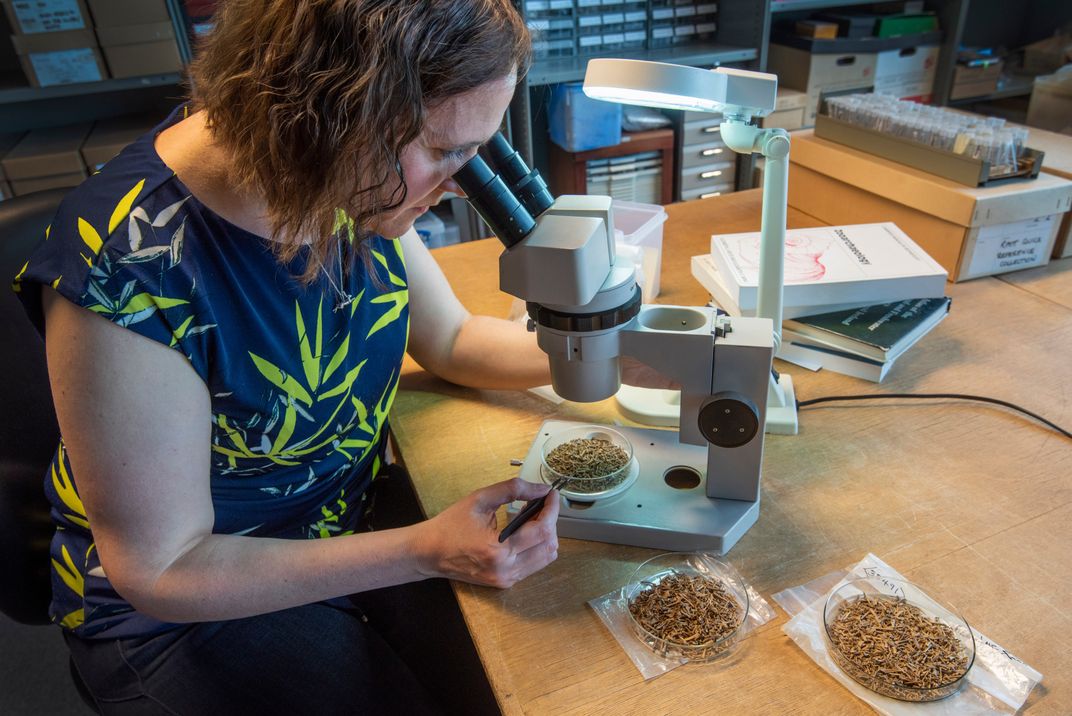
pixel 651 513
pixel 653 406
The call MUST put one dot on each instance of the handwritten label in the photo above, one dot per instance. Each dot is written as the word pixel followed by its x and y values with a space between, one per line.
pixel 65 66
pixel 983 641
pixel 1008 247
pixel 35 16
pixel 887 585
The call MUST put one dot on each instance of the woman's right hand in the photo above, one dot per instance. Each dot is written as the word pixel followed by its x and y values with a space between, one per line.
pixel 462 541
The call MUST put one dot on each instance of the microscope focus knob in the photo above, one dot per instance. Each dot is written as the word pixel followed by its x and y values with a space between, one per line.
pixel 729 420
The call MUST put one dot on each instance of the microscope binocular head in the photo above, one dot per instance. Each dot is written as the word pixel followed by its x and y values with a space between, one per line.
pixel 560 260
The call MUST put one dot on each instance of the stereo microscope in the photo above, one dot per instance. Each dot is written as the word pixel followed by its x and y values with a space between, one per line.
pixel 696 488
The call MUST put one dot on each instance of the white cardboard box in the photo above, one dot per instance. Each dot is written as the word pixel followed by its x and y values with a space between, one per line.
pixel 970 231
pixel 56 58
pixel 1051 102
pixel 787 119
pixel 1058 161
pixel 30 17
pixel 907 73
pixel 788 111
pixel 816 74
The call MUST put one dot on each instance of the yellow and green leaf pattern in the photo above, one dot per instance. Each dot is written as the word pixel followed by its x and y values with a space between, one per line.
pixel 301 383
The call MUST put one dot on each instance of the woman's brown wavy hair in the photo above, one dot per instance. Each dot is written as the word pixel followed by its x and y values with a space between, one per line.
pixel 315 99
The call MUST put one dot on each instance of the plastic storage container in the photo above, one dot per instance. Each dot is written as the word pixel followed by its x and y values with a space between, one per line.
pixel 1051 102
pixel 435 231
pixel 633 177
pixel 578 123
pixel 639 234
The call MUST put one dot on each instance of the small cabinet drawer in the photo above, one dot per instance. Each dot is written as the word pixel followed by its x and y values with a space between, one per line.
pixel 705 192
pixel 699 155
pixel 703 132
pixel 706 175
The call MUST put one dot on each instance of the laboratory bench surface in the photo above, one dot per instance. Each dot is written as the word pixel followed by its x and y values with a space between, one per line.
pixel 972 502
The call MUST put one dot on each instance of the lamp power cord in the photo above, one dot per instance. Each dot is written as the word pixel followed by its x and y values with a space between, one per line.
pixel 936 396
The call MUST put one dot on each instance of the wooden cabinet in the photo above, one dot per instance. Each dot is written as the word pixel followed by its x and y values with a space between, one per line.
pixel 570 170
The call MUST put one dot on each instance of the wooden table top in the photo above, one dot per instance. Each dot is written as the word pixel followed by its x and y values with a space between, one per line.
pixel 971 502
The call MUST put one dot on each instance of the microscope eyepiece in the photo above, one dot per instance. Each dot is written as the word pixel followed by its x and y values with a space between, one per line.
pixel 527 185
pixel 494 201
pixel 504 158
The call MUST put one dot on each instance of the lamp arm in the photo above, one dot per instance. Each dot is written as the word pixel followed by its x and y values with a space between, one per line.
pixel 772 231
pixel 773 145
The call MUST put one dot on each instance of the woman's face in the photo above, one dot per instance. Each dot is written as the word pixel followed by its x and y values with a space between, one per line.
pixel 453 130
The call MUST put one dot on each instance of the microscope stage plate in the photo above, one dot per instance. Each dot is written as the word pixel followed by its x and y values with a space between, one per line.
pixel 651 513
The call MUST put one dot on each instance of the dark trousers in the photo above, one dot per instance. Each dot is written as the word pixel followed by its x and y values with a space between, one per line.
pixel 312 659
pixel 400 650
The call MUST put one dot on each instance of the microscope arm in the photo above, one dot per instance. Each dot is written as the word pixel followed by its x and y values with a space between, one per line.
pixel 723 365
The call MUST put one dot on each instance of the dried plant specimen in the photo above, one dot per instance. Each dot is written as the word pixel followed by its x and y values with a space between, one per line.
pixel 595 464
pixel 688 615
pixel 893 648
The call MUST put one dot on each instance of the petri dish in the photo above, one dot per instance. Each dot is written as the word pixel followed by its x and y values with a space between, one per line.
pixel 585 485
pixel 700 570
pixel 885 634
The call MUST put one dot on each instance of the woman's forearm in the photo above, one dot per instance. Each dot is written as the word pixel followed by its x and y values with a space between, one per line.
pixel 228 577
pixel 496 354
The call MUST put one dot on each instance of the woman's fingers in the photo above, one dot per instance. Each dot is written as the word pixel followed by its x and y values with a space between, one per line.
pixel 492 497
pixel 541 528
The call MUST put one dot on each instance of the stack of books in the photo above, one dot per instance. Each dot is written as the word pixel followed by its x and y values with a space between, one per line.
pixel 855 298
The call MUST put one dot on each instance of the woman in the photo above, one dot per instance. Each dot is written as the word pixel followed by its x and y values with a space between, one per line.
pixel 227 306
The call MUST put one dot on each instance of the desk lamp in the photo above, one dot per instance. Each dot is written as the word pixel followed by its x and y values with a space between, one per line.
pixel 738 95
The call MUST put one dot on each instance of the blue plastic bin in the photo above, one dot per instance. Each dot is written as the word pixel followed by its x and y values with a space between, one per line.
pixel 579 123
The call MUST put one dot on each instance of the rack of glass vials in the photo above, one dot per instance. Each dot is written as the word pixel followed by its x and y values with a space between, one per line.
pixel 967 148
pixel 569 28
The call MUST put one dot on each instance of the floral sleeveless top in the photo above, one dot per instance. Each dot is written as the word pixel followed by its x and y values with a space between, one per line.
pixel 301 378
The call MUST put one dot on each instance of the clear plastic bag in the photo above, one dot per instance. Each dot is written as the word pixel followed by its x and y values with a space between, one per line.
pixel 643 119
pixel 613 610
pixel 998 682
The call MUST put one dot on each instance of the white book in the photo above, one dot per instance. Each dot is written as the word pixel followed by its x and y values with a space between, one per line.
pixel 814 358
pixel 706 272
pixel 856 265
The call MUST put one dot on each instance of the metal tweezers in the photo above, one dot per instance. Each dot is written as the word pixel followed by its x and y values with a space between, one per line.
pixel 529 511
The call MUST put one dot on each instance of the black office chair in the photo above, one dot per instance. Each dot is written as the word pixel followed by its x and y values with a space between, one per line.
pixel 28 430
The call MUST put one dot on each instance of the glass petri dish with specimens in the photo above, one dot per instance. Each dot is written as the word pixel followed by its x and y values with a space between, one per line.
pixel 687 605
pixel 594 462
pixel 892 638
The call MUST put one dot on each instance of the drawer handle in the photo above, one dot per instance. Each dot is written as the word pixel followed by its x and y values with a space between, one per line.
pixel 712 130
pixel 710 152
pixel 708 175
pixel 710 194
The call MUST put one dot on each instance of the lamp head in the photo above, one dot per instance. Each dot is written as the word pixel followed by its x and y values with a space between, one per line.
pixel 741 94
